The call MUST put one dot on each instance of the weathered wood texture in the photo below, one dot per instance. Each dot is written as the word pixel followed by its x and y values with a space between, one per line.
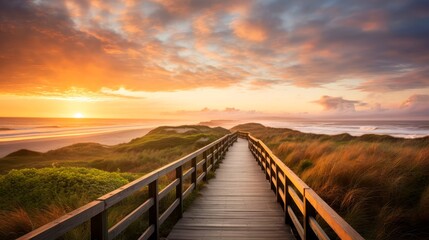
pixel 237 204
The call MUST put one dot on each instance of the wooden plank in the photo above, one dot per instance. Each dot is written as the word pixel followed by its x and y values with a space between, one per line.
pixel 99 227
pixel 130 218
pixel 188 173
pixel 341 227
pixel 317 229
pixel 237 204
pixel 154 210
pixel 281 178
pixel 117 195
pixel 200 178
pixel 148 233
pixel 273 180
pixel 188 190
pixel 169 210
pixel 296 222
pixel 205 166
pixel 201 163
pixel 282 195
pixel 168 189
pixel 298 202
pixel 65 223
pixel 194 173
pixel 179 191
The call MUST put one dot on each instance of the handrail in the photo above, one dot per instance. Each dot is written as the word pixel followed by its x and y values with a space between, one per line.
pixel 284 182
pixel 96 211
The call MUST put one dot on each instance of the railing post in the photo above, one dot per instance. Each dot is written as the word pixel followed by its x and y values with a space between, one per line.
pixel 273 173
pixel 99 228
pixel 179 191
pixel 194 173
pixel 221 148
pixel 288 200
pixel 211 161
pixel 205 166
pixel 154 210
pixel 219 155
pixel 278 184
pixel 216 156
pixel 259 153
pixel 267 166
pixel 309 211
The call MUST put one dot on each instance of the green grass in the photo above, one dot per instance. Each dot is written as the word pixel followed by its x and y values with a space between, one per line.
pixel 141 155
pixel 379 184
pixel 36 188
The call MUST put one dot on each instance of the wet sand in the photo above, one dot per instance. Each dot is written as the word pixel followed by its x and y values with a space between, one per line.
pixel 46 144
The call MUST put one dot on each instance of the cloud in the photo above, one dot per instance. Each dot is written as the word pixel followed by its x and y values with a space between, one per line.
pixel 160 45
pixel 414 107
pixel 338 104
pixel 226 113
pixel 249 31
pixel 417 104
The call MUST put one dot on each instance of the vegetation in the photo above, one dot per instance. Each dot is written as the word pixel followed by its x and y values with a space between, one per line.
pixel 33 197
pixel 141 155
pixel 44 186
pixel 379 184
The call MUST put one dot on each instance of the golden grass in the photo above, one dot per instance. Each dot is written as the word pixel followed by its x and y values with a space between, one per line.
pixel 379 184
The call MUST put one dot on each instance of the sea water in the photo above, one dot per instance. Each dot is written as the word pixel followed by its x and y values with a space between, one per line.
pixel 402 129
pixel 43 134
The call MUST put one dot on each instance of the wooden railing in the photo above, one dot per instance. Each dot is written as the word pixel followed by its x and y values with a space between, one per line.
pixel 300 203
pixel 96 211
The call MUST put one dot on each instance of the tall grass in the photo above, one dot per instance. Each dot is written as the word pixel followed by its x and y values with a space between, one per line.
pixel 379 184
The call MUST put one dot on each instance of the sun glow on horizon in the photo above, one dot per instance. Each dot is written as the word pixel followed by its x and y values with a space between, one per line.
pixel 78 115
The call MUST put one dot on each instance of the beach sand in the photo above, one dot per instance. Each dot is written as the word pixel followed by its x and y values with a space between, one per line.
pixel 46 144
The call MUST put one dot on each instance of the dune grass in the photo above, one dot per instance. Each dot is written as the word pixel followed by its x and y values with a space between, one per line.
pixel 44 186
pixel 379 184
pixel 141 155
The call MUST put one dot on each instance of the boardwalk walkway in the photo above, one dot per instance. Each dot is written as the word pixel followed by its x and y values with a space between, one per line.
pixel 237 204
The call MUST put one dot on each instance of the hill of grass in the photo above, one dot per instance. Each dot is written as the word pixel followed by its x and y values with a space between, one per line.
pixel 379 184
pixel 36 188
pixel 141 155
pixel 33 197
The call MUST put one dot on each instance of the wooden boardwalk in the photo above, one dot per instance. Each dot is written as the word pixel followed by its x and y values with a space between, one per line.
pixel 237 204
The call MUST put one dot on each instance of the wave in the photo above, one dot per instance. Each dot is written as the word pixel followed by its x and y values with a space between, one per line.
pixel 401 129
pixel 368 128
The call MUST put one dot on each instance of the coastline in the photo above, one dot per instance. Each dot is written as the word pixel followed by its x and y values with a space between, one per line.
pixel 50 143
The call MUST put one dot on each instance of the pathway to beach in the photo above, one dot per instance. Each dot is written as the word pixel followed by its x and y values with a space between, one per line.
pixel 237 204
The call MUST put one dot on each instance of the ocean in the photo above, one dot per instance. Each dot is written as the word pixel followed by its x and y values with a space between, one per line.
pixel 43 134
pixel 18 129
pixel 401 129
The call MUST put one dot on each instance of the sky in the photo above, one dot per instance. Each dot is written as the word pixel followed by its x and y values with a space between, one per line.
pixel 214 59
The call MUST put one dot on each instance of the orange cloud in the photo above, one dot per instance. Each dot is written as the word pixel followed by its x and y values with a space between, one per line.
pixel 248 31
pixel 160 45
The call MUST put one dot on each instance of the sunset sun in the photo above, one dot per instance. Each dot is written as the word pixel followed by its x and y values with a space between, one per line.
pixel 78 115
